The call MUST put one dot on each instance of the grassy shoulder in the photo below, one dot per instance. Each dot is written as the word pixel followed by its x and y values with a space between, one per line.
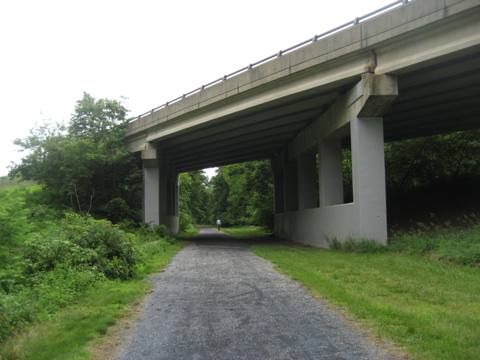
pixel 429 306
pixel 244 232
pixel 64 279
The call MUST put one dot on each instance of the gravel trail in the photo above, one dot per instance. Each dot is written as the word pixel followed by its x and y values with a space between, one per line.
pixel 217 300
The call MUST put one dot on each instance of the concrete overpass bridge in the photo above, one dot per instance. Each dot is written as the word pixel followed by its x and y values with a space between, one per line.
pixel 410 69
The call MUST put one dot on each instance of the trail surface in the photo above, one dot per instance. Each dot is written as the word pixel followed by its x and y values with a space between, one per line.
pixel 217 300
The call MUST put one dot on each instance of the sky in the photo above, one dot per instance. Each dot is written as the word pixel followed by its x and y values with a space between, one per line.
pixel 142 52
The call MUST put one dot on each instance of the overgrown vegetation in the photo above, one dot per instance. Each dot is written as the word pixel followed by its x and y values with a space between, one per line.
pixel 58 238
pixel 49 261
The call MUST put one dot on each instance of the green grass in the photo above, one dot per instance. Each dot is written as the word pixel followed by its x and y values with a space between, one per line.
pixel 68 333
pixel 429 307
pixel 246 231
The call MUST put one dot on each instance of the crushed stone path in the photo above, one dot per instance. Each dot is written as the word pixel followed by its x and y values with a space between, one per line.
pixel 217 300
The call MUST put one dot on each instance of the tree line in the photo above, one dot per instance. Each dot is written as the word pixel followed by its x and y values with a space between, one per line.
pixel 84 166
pixel 239 194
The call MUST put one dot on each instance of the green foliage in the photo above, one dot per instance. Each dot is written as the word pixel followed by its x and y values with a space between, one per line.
pixel 421 162
pixel 242 194
pixel 83 242
pixel 91 304
pixel 50 259
pixel 85 166
pixel 194 199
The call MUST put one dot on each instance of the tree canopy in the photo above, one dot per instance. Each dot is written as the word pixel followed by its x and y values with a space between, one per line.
pixel 84 165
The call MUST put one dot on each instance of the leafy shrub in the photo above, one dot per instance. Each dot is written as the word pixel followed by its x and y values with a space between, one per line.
pixel 84 241
pixel 117 209
pixel 45 254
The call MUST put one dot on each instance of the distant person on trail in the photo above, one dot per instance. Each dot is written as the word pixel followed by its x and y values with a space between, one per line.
pixel 219 224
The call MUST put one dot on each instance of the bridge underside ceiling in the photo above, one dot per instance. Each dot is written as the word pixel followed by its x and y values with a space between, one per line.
pixel 434 98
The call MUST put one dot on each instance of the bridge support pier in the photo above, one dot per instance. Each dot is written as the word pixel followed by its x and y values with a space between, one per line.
pixel 306 172
pixel 160 201
pixel 355 119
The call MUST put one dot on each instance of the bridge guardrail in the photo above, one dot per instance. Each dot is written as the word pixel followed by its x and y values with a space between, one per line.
pixel 315 38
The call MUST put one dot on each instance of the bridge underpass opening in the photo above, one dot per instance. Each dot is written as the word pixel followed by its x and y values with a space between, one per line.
pixel 239 194
pixel 413 71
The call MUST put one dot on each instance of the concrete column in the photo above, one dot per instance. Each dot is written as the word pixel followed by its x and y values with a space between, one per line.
pixel 176 195
pixel 368 175
pixel 306 169
pixel 278 186
pixel 151 185
pixel 151 192
pixel 160 202
pixel 169 214
pixel 330 172
pixel 291 186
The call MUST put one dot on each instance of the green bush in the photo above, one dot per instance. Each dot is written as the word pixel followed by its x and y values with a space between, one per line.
pixel 45 254
pixel 84 241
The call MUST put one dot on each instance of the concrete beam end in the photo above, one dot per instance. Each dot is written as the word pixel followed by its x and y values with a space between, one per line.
pixel 150 155
pixel 380 91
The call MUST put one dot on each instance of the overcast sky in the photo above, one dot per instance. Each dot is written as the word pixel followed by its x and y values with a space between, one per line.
pixel 144 52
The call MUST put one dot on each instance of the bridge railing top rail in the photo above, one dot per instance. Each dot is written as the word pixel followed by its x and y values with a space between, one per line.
pixel 311 40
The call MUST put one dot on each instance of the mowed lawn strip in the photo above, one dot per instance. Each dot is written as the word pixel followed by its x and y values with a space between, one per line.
pixel 70 332
pixel 430 308
pixel 246 231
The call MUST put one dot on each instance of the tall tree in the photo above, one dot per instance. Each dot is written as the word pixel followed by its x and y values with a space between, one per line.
pixel 85 165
